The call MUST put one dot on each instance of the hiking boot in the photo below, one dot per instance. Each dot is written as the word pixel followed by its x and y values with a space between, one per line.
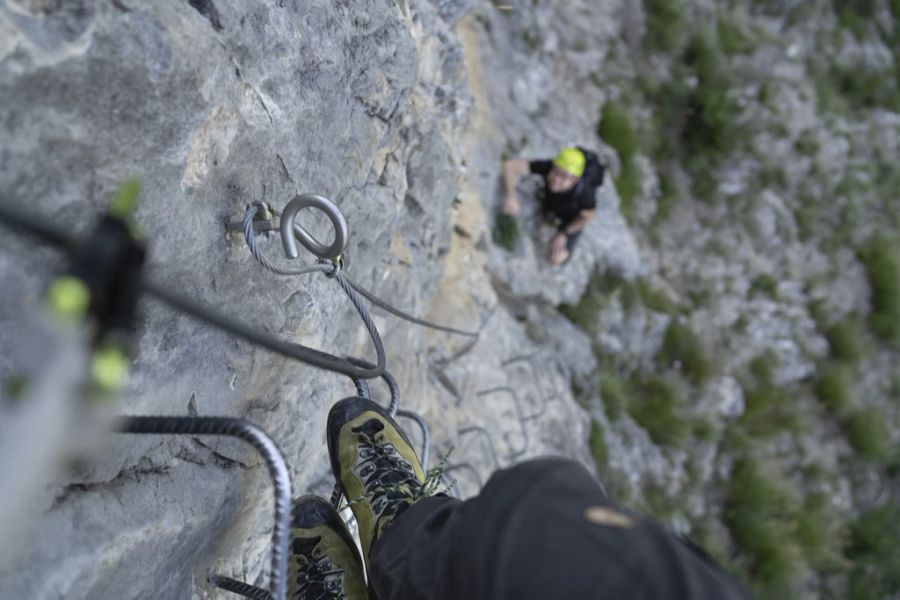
pixel 374 465
pixel 324 562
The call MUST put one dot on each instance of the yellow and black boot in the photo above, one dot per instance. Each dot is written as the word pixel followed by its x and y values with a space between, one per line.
pixel 374 464
pixel 324 563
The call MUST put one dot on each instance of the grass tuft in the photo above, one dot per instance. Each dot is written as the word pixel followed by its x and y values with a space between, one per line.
pixel 760 513
pixel 820 534
pixel 867 432
pixel 683 349
pixel 597 443
pixel 732 38
pixel 855 15
pixel 600 289
pixel 506 232
pixel 764 284
pixel 875 553
pixel 769 408
pixel 695 124
pixel 834 389
pixel 616 396
pixel 656 299
pixel 807 143
pixel 883 268
pixel 666 24
pixel 657 407
pixel 845 340
pixel 616 130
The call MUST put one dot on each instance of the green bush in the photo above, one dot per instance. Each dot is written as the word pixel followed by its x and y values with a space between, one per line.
pixel 616 396
pixel 772 177
pixel 875 553
pixel 669 196
pixel 655 299
pixel 760 512
pixel 818 310
pixel 845 340
pixel 597 443
pixel 710 535
pixel 732 38
pixel 657 407
pixel 834 388
pixel 666 24
pixel 532 40
pixel 883 268
pixel 807 143
pixel 769 409
pixel 820 533
pixel 765 284
pixel 766 94
pixel 705 429
pixel 683 349
pixel 806 218
pixel 868 434
pixel 695 125
pixel 704 180
pixel 711 127
pixel 762 368
pixel 658 503
pixel 506 232
pixel 600 288
pixel 845 88
pixel 855 15
pixel 616 130
pixel 628 184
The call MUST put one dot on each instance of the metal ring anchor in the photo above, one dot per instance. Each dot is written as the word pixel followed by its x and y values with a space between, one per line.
pixel 291 231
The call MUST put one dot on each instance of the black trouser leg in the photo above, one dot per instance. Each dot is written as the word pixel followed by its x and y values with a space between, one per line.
pixel 544 530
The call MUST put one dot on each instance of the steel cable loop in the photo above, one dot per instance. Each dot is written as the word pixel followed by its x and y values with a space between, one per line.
pixel 253 244
pixel 239 587
pixel 333 271
pixel 388 379
pixel 250 238
pixel 260 440
pixel 362 387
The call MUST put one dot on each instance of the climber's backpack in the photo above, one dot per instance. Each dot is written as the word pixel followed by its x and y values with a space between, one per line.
pixel 594 171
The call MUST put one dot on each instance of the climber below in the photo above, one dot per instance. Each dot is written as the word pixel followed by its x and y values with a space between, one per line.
pixel 570 187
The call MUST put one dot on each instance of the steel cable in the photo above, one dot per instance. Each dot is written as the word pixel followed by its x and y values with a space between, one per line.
pixel 239 587
pixel 268 449
pixel 44 230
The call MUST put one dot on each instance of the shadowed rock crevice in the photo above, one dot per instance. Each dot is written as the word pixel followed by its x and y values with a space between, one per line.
pixel 208 9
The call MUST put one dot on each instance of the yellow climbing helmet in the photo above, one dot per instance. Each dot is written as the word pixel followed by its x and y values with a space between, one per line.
pixel 572 161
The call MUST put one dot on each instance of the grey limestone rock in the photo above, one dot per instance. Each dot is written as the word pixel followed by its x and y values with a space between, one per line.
pixel 214 104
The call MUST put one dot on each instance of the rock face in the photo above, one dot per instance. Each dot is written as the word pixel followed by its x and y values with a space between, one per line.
pixel 720 306
pixel 214 104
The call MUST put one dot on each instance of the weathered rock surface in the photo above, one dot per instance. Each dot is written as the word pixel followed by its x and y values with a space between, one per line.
pixel 214 104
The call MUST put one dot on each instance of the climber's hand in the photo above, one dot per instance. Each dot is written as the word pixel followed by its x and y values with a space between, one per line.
pixel 558 253
pixel 511 206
